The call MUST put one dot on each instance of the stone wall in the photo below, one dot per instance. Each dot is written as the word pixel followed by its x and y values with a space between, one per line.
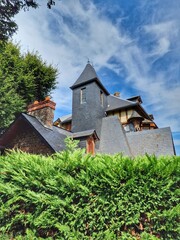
pixel 28 140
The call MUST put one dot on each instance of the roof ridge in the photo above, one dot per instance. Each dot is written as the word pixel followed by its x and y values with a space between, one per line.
pixel 88 75
pixel 121 99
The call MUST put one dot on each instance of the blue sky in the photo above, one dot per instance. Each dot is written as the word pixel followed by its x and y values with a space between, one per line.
pixel 133 45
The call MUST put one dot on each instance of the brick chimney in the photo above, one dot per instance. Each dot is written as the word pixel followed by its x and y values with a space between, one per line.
pixel 43 111
pixel 117 94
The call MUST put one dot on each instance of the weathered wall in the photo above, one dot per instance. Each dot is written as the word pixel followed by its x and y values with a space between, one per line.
pixel 88 115
pixel 27 140
pixel 157 141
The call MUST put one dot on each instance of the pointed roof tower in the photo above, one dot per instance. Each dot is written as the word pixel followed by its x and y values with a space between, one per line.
pixel 87 76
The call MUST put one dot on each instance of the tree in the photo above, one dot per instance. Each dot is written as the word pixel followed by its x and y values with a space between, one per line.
pixel 23 79
pixel 8 9
pixel 42 78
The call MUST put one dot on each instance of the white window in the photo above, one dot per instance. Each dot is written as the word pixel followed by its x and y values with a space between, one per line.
pixel 83 95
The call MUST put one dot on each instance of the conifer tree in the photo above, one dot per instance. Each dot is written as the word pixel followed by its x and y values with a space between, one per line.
pixel 23 79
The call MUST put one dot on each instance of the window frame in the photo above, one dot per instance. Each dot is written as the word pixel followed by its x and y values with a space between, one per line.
pixel 102 98
pixel 83 95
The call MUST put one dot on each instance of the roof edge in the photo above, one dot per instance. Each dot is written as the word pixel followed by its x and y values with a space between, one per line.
pixel 125 107
pixel 22 114
pixel 89 81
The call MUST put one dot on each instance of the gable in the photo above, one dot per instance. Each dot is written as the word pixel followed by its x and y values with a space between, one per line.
pixel 116 104
pixel 54 137
pixel 21 135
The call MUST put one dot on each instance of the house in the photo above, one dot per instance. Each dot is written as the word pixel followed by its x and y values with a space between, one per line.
pixel 101 122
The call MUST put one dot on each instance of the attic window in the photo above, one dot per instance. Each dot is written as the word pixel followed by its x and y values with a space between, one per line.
pixel 83 95
pixel 101 97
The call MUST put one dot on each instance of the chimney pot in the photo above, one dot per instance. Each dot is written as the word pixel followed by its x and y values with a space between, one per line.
pixel 117 94
pixel 47 98
pixel 36 102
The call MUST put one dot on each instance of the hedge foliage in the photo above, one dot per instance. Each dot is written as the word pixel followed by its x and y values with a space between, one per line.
pixel 72 195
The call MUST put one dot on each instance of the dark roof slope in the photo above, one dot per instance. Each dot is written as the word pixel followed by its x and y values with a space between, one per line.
pixel 156 141
pixel 54 137
pixel 88 75
pixel 66 118
pixel 113 138
pixel 86 133
pixel 117 103
pixel 135 99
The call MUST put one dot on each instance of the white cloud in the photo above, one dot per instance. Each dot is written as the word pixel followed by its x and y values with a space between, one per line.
pixel 79 34
pixel 70 33
pixel 163 34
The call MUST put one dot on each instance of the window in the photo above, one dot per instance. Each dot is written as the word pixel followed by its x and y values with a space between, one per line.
pixel 101 97
pixel 83 95
pixel 129 127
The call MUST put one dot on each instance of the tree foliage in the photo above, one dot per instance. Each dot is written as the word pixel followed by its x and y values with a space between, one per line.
pixel 8 9
pixel 23 78
pixel 72 195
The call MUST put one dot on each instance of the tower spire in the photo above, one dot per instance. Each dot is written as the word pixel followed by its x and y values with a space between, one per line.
pixel 88 75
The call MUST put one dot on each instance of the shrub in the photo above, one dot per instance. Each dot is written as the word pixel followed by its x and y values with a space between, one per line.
pixel 72 195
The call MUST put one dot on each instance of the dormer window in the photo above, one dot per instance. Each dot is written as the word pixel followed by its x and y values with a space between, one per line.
pixel 101 98
pixel 83 95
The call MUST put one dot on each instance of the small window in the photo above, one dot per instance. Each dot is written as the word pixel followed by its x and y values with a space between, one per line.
pixel 129 127
pixel 101 98
pixel 83 95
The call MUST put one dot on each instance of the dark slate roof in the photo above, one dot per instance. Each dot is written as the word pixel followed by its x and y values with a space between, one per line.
pixel 88 75
pixel 54 137
pixel 66 118
pixel 63 119
pixel 135 99
pixel 84 134
pixel 118 103
pixel 113 137
pixel 156 141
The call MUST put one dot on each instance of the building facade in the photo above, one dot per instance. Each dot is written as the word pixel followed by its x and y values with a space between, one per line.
pixel 101 122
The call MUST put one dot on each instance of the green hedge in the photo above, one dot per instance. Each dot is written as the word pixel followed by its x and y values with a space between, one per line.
pixel 71 195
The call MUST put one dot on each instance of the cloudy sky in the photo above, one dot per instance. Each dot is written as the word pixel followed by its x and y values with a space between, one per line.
pixel 133 45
